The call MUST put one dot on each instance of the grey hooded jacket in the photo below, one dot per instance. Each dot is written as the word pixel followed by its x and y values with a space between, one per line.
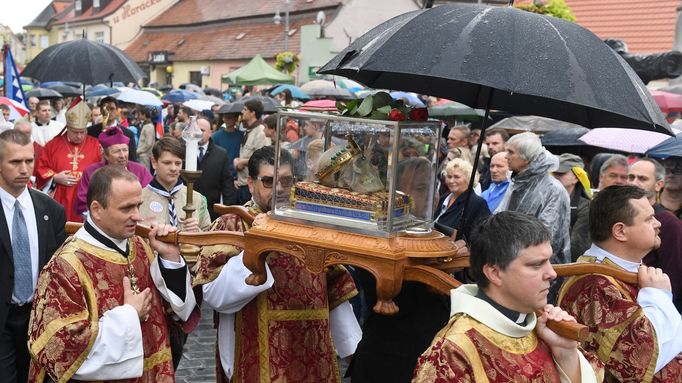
pixel 535 192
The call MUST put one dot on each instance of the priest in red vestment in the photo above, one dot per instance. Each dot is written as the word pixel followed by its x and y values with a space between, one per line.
pixel 102 305
pixel 634 329
pixel 493 334
pixel 290 328
pixel 65 158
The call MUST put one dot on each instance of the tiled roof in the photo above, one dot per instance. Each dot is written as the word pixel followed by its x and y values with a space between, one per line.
pixel 43 17
pixel 261 36
pixel 188 12
pixel 87 14
pixel 646 26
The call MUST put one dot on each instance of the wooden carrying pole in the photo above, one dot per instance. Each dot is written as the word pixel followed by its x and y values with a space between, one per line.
pixel 437 279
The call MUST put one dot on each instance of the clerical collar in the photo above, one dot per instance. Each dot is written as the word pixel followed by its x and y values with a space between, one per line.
pixel 600 254
pixel 106 240
pixel 514 316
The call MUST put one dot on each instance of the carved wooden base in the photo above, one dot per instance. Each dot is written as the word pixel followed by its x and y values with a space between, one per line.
pixel 387 259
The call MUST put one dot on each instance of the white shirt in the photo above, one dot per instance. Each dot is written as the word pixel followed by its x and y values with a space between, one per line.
pixel 658 307
pixel 117 352
pixel 43 134
pixel 26 204
pixel 229 293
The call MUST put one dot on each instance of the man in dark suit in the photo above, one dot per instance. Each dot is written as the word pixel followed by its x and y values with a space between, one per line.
pixel 23 251
pixel 216 180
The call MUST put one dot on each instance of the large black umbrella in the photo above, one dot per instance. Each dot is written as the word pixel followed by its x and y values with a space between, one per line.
pixel 270 105
pixel 502 58
pixel 84 61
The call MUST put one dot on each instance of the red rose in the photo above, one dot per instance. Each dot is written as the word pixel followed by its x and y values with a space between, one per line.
pixel 396 115
pixel 419 114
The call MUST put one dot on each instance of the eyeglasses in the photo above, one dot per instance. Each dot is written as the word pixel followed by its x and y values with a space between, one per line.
pixel 285 181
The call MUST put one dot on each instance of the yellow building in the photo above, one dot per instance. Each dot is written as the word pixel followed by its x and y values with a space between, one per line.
pixel 115 22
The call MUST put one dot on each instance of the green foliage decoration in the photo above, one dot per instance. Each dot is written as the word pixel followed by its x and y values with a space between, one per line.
pixel 287 62
pixel 556 8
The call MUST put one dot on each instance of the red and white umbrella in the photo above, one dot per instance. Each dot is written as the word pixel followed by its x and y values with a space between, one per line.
pixel 17 110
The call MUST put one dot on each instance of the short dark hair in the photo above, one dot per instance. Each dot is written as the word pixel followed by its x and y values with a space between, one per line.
pixel 4 107
pixel 105 100
pixel 503 133
pixel 43 103
pixel 266 156
pixel 500 238
pixel 186 110
pixel 611 206
pixel 14 137
pixel 255 106
pixel 271 121
pixel 99 187
pixel 168 144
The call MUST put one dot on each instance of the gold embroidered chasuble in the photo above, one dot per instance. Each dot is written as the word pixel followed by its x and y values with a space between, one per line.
pixel 283 334
pixel 78 285
pixel 620 334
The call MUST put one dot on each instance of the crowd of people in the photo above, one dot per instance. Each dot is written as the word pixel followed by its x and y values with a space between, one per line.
pixel 107 304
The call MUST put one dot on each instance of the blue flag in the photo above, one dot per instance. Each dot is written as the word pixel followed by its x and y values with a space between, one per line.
pixel 13 89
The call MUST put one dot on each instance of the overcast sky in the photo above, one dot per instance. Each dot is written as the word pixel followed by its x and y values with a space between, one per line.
pixel 16 14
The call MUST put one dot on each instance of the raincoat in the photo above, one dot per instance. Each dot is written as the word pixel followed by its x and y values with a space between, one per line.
pixel 535 192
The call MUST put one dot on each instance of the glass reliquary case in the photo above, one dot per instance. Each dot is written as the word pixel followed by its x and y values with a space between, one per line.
pixel 367 176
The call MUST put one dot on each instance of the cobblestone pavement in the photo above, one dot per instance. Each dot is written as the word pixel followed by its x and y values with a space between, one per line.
pixel 198 360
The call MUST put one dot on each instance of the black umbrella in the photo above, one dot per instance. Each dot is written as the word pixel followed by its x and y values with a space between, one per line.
pixel 213 92
pixel 502 58
pixel 564 137
pixel 270 105
pixel 85 61
pixel 65 90
pixel 43 93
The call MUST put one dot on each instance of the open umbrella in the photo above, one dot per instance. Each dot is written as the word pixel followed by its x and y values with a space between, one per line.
pixel 16 110
pixel 453 108
pixel 325 89
pixel 214 92
pixel 668 102
pixel 43 93
pixel 179 96
pixel 672 146
pixel 623 140
pixel 296 92
pixel 199 105
pixel 319 106
pixel 100 90
pixel 84 61
pixel 66 91
pixel 190 87
pixel 502 58
pixel 410 97
pixel 270 105
pixel 535 124
pixel 565 137
pixel 139 97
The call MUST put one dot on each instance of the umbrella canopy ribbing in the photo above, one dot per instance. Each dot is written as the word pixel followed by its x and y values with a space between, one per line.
pixel 506 59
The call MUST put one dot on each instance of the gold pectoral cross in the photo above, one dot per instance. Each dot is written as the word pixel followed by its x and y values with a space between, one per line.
pixel 75 157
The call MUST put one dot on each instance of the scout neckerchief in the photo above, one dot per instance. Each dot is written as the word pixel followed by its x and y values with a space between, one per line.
pixel 157 188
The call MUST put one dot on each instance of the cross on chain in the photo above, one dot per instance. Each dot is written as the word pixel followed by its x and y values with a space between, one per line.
pixel 75 157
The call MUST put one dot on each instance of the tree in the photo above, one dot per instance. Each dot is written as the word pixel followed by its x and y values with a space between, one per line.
pixel 556 8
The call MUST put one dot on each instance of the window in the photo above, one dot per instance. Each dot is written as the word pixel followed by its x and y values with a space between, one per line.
pixel 95 3
pixel 78 5
pixel 44 41
pixel 32 39
pixel 195 78
pixel 99 37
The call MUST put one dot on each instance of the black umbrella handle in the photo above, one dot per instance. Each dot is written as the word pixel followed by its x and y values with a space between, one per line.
pixel 470 188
